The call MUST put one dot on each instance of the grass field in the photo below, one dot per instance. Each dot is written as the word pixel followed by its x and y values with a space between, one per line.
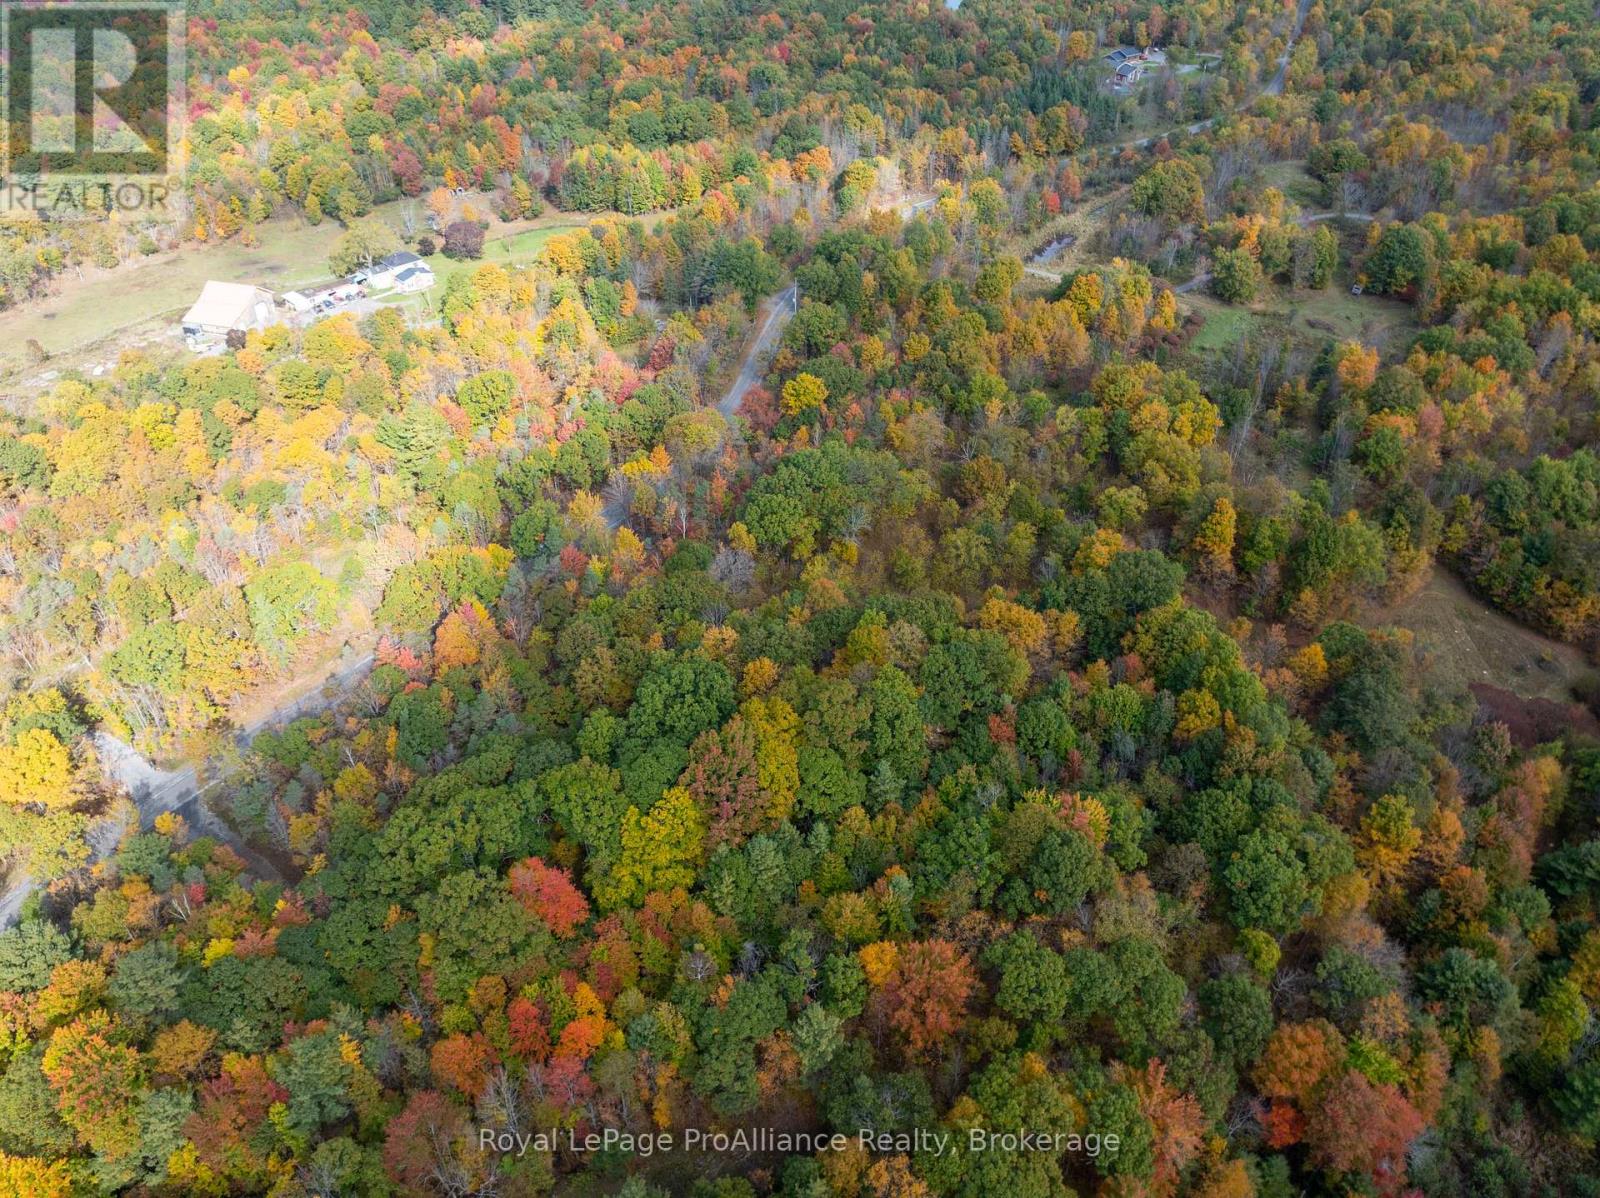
pixel 1224 324
pixel 1290 178
pixel 103 303
pixel 1468 641
pixel 1375 320
pixel 87 321
pixel 1313 317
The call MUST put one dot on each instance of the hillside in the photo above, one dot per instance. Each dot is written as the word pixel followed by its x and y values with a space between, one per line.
pixel 901 614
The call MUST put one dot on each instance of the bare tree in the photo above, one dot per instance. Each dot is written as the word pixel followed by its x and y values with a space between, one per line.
pixel 502 1103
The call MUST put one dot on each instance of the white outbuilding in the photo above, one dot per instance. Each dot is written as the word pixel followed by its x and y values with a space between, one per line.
pixel 224 308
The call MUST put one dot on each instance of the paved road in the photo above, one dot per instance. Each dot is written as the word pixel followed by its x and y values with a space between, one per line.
pixel 753 365
pixel 156 791
pixel 784 306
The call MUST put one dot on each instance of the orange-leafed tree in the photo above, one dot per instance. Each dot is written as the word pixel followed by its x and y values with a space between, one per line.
pixel 1298 1057
pixel 528 1029
pixel 462 1061
pixel 924 998
pixel 1177 1126
pixel 548 892
pixel 1362 1127
pixel 98 1083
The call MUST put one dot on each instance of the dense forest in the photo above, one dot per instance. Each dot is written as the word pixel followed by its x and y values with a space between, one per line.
pixel 988 724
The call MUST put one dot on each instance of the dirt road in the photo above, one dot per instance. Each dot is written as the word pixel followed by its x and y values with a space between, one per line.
pixel 784 305
pixel 754 363
pixel 156 791
pixel 1274 87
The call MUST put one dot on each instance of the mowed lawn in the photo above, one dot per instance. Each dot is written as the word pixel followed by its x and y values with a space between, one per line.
pixel 1466 640
pixel 1225 324
pixel 1376 320
pixel 85 311
pixel 516 249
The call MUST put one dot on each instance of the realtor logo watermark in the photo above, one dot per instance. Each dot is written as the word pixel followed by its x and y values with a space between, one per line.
pixel 93 96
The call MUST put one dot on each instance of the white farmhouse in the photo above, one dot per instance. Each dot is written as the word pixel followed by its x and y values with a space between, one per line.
pixel 414 278
pixel 385 272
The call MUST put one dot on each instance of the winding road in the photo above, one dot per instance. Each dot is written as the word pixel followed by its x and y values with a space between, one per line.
pixel 156 791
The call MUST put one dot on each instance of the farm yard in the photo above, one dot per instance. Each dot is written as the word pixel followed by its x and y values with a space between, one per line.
pixel 77 329
pixel 513 249
pixel 77 325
